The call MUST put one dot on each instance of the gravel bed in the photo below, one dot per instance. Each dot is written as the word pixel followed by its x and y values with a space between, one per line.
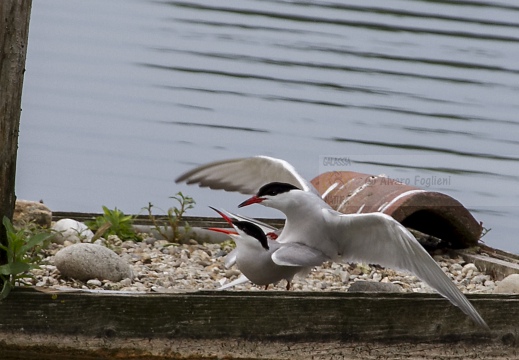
pixel 159 266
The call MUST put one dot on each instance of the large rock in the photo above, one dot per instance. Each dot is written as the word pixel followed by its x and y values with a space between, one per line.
pixel 71 230
pixel 372 286
pixel 509 285
pixel 26 212
pixel 86 261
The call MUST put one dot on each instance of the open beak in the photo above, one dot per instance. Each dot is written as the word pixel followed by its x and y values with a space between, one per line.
pixel 225 231
pixel 252 200
pixel 225 217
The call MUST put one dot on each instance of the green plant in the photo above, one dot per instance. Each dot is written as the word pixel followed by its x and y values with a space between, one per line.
pixel 22 251
pixel 484 231
pixel 113 222
pixel 174 218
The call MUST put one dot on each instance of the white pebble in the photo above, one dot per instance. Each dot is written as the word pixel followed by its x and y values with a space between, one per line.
pixel 469 267
pixel 94 282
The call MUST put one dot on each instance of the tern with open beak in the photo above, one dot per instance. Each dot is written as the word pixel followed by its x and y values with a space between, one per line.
pixel 255 253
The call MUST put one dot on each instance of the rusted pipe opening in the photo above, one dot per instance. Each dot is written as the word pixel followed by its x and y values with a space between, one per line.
pixel 435 224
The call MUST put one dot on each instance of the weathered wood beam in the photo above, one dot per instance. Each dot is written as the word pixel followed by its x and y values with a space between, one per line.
pixel 14 32
pixel 267 315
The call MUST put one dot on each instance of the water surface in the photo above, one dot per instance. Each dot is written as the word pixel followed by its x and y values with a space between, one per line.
pixel 121 97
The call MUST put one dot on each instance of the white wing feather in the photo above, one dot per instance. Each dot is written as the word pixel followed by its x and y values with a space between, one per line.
pixel 377 238
pixel 245 175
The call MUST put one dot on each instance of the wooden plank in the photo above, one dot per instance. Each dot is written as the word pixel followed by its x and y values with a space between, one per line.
pixel 265 315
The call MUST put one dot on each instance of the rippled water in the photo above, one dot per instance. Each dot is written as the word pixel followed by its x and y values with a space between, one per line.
pixel 120 97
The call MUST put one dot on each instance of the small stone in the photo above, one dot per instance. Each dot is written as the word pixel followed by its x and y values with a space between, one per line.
pixel 509 285
pixel 438 257
pixel 72 231
pixel 146 258
pixel 94 282
pixel 489 284
pixel 456 267
pixel 125 282
pixel 128 244
pixel 344 275
pixel 479 279
pixel 469 267
pixel 26 212
pixel 114 240
pixel 150 240
pixel 100 242
pixel 86 261
pixel 231 272
pixel 465 282
pixel 140 286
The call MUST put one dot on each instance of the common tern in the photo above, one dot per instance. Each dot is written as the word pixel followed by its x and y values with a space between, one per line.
pixel 254 254
pixel 374 238
pixel 270 231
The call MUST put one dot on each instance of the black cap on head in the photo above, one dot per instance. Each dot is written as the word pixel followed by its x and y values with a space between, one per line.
pixel 275 188
pixel 252 230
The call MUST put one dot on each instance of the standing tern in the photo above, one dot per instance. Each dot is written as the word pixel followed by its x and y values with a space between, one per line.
pixel 254 254
pixel 374 238
pixel 270 231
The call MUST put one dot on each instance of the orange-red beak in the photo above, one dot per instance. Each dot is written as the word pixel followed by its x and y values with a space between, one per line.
pixel 252 200
pixel 225 217
pixel 225 231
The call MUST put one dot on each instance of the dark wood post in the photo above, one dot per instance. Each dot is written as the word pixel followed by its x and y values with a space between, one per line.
pixel 14 32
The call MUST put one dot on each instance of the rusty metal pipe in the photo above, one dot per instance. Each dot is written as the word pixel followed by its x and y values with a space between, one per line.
pixel 430 212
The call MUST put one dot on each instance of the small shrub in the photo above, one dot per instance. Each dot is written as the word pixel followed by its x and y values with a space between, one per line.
pixel 23 254
pixel 174 218
pixel 113 222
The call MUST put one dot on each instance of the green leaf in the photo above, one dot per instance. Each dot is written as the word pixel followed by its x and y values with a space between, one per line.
pixel 34 241
pixel 6 289
pixel 19 267
pixel 7 224
pixel 5 269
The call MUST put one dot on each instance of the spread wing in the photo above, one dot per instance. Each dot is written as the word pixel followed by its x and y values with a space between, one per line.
pixel 245 175
pixel 377 238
